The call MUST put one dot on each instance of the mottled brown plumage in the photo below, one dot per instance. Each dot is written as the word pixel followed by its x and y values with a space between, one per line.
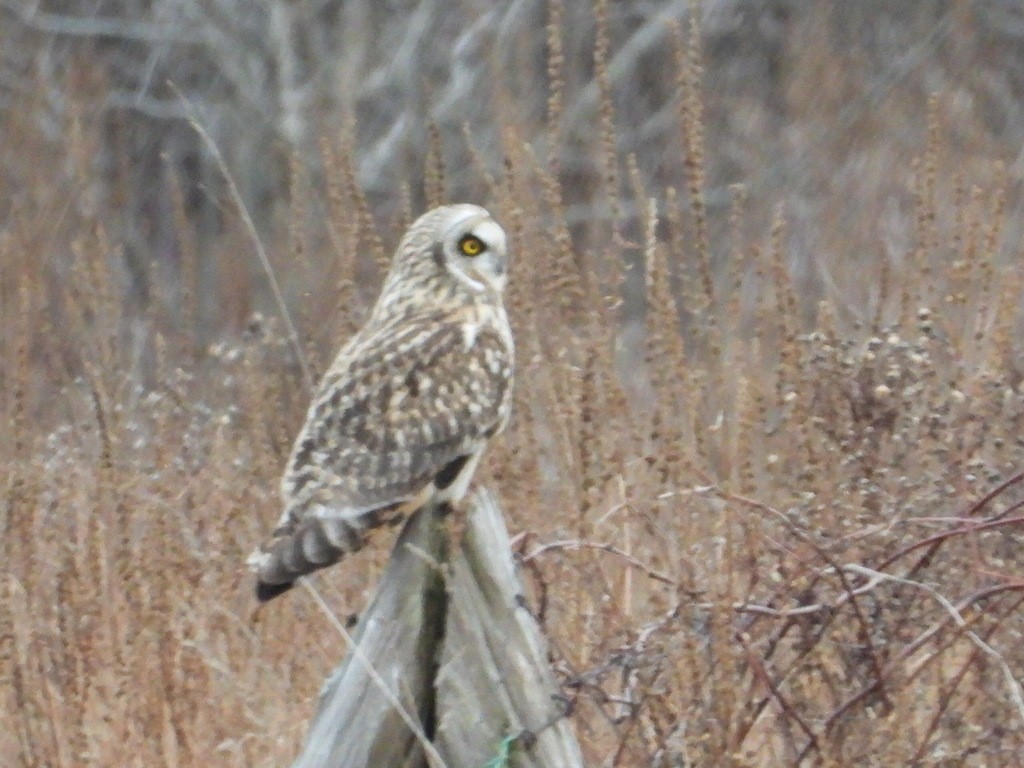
pixel 406 409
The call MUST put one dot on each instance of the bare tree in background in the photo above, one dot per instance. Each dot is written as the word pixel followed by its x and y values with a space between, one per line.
pixel 800 95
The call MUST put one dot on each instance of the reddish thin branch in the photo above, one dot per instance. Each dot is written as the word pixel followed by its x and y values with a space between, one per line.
pixel 761 672
pixel 611 549
pixel 946 697
pixel 909 649
pixel 938 538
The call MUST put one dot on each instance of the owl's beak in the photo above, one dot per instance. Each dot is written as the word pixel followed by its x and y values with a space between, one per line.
pixel 493 277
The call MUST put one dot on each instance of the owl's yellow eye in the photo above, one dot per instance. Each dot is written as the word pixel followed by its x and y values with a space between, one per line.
pixel 471 245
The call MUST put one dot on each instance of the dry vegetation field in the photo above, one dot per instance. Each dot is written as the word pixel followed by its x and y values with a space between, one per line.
pixel 768 511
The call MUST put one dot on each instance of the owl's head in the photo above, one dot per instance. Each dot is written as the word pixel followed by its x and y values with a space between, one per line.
pixel 459 243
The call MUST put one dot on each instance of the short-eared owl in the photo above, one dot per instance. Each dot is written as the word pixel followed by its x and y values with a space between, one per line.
pixel 407 407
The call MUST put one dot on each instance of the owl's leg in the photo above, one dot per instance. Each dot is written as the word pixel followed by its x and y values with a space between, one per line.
pixel 451 484
pixel 455 517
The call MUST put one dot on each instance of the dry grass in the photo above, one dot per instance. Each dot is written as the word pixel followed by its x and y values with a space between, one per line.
pixel 767 530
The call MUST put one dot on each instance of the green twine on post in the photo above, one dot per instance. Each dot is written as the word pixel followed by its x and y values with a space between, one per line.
pixel 501 760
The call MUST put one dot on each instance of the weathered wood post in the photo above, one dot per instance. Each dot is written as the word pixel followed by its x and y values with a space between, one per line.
pixel 448 642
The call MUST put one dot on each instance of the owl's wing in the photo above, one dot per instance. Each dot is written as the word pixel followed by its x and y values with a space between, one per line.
pixel 397 417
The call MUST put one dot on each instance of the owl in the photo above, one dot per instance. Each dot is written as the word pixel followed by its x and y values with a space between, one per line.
pixel 405 411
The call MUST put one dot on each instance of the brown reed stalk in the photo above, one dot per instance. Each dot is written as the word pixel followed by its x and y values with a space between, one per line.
pixel 367 234
pixel 622 435
pixel 29 724
pixel 480 169
pixel 9 287
pixel 342 227
pixel 95 255
pixel 521 293
pixel 921 261
pixel 689 289
pixel 931 172
pixel 298 211
pixel 746 427
pixel 556 79
pixel 344 232
pixel 787 315
pixel 607 152
pixel 827 322
pixel 923 187
pixel 111 492
pixel 406 214
pixel 516 468
pixel 23 323
pixel 298 252
pixel 664 353
pixel 17 533
pixel 174 574
pixel 959 214
pixel 986 267
pixel 563 280
pixel 1002 347
pixel 963 264
pixel 98 557
pixel 738 264
pixel 433 173
pixel 11 681
pixel 588 440
pixel 188 253
pixel 19 541
pixel 689 73
pixel 76 684
pixel 564 412
pixel 676 230
pixel 884 290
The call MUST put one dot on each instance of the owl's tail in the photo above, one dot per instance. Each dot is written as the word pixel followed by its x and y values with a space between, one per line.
pixel 311 544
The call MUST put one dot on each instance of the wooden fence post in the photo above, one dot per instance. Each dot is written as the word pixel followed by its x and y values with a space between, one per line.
pixel 451 643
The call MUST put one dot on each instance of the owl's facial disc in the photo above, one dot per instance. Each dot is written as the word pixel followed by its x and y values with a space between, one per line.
pixel 477 251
